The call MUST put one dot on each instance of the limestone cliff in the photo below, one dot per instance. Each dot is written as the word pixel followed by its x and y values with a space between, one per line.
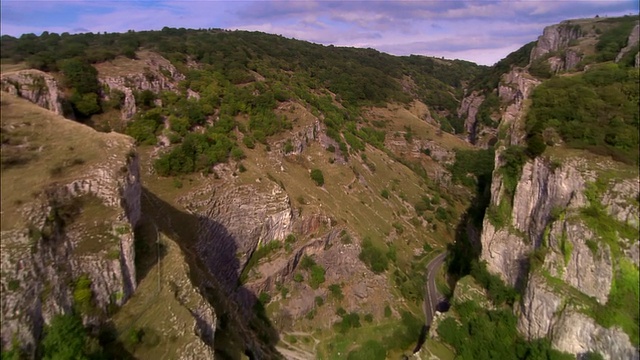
pixel 538 236
pixel 469 106
pixel 149 71
pixel 36 86
pixel 554 38
pixel 632 42
pixel 76 228
pixel 502 245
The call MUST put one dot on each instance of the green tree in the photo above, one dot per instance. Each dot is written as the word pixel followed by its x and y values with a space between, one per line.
pixel 65 338
pixel 317 177
pixel 80 75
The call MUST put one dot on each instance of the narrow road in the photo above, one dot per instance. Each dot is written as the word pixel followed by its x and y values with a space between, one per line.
pixel 431 294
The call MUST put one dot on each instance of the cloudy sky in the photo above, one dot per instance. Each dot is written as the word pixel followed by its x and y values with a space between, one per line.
pixel 483 31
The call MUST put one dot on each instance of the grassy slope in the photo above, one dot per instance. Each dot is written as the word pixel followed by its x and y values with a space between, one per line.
pixel 48 149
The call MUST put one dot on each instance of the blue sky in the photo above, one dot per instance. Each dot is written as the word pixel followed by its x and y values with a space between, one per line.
pixel 483 31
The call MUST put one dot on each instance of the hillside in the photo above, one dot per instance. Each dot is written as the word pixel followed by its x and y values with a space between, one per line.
pixel 290 195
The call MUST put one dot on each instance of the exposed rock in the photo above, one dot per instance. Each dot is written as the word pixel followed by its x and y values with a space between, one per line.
pixel 571 59
pixel 45 260
pixel 632 41
pixel 587 270
pixel 538 310
pixel 469 106
pixel 159 75
pixel 620 200
pixel 504 252
pixel 36 86
pixel 541 190
pixel 554 38
pixel 235 221
pixel 577 333
pixel 544 312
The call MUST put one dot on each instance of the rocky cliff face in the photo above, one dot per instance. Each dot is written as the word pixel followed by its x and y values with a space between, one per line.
pixel 632 41
pixel 235 221
pixel 545 245
pixel 469 107
pixel 505 247
pixel 158 75
pixel 81 229
pixel 36 86
pixel 554 38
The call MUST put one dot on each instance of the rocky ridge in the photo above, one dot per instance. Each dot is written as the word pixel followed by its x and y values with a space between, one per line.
pixel 41 264
pixel 544 214
pixel 158 75
pixel 36 86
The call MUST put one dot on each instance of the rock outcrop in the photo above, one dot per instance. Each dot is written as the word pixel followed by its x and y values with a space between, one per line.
pixel 554 38
pixel 545 313
pixel 632 42
pixel 541 217
pixel 42 264
pixel 158 75
pixel 469 107
pixel 36 86
pixel 503 249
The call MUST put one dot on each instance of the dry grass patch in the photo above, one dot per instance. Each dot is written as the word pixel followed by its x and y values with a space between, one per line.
pixel 122 66
pixel 49 149
pixel 6 67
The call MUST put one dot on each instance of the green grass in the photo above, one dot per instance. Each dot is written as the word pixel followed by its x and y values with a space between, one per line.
pixel 392 334
pixel 47 142
pixel 622 307
pixel 610 230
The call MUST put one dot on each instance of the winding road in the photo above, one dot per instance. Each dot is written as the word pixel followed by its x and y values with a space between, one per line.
pixel 431 295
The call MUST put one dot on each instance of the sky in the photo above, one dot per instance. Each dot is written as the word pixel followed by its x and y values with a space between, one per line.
pixel 482 31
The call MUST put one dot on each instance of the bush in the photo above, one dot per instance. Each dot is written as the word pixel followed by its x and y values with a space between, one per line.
pixel 492 334
pixel 82 294
pixel 349 321
pixel 66 338
pixel 387 311
pixel 317 177
pixel 336 291
pixel 373 257
pixel 264 298
pixel 317 276
pixel 384 193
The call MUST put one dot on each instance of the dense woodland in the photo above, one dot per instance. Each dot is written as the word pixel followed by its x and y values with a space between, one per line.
pixel 292 69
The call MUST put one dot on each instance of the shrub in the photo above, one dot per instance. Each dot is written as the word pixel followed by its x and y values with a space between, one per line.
pixel 368 317
pixel 384 193
pixel 317 276
pixel 249 142
pixel 373 257
pixel 307 262
pixel 349 321
pixel 317 177
pixel 288 147
pixel 13 285
pixel 264 298
pixel 65 338
pixel 82 293
pixel 319 300
pixel 336 291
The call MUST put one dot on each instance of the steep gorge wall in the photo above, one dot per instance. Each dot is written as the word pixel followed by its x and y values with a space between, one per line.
pixel 36 86
pixel 542 217
pixel 41 264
